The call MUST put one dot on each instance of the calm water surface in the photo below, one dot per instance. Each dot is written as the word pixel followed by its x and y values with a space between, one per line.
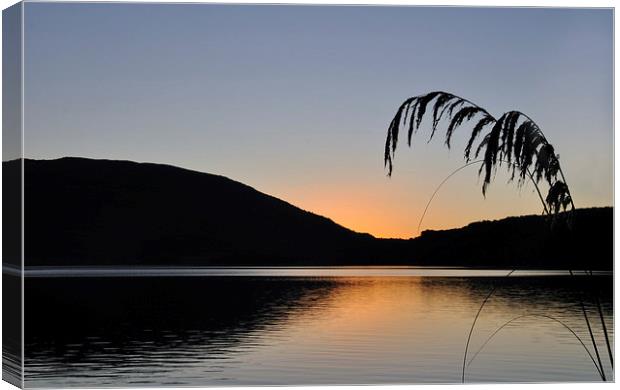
pixel 235 326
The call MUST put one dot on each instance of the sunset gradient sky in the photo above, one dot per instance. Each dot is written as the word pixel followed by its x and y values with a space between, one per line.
pixel 295 100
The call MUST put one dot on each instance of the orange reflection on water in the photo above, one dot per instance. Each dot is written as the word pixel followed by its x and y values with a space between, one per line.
pixel 387 326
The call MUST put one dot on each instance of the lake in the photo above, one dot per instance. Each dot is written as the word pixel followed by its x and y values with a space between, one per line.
pixel 274 326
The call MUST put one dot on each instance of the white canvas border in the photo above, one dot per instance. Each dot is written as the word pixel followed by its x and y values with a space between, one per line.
pixel 477 3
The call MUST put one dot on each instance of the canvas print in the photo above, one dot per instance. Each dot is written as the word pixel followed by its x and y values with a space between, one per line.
pixel 233 195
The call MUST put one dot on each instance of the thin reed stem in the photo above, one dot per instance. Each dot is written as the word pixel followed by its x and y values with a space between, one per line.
pixel 600 313
pixel 471 330
pixel 543 316
pixel 542 200
pixel 585 315
pixel 439 187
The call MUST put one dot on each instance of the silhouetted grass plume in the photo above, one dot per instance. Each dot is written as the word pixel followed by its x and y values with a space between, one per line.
pixel 513 139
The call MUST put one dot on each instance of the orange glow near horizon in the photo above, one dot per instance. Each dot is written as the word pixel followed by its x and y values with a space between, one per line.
pixel 356 208
pixel 362 215
pixel 367 212
pixel 392 208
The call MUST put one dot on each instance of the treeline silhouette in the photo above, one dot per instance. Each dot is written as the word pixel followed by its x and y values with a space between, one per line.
pixel 525 242
pixel 81 212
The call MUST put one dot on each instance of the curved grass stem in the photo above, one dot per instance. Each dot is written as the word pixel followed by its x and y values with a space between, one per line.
pixel 524 144
pixel 542 316
pixel 604 326
pixel 542 200
pixel 585 316
pixel 473 325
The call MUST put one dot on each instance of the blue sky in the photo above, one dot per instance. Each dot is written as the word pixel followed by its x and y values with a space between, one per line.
pixel 295 100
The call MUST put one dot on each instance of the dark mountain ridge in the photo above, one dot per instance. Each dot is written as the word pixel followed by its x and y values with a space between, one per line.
pixel 529 241
pixel 102 212
pixel 122 212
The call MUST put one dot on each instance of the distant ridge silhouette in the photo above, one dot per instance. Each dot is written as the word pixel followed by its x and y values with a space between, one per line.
pixel 104 212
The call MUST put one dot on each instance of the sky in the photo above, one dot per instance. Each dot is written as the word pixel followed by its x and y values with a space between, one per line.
pixel 295 101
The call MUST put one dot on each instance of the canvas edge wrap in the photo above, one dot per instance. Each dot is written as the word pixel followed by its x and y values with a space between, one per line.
pixel 12 195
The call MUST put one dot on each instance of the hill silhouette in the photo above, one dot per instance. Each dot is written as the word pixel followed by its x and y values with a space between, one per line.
pixel 102 212
pixel 530 241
